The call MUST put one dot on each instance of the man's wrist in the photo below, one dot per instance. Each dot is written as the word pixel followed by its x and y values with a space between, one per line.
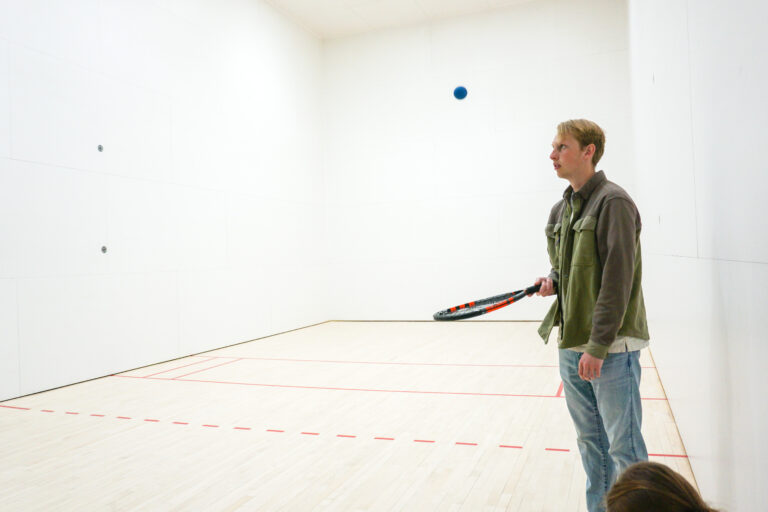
pixel 596 349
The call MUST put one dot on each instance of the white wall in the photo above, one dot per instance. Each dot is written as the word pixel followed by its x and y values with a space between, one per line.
pixel 434 201
pixel 212 200
pixel 699 83
pixel 208 194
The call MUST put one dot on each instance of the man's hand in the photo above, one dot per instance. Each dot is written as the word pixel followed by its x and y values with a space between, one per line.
pixel 589 367
pixel 547 287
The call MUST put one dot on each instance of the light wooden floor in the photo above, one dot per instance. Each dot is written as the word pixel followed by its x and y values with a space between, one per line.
pixel 343 416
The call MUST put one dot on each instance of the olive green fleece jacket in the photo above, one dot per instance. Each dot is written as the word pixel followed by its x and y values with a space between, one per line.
pixel 593 240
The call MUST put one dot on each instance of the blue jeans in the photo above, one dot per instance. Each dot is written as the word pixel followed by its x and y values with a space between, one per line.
pixel 607 415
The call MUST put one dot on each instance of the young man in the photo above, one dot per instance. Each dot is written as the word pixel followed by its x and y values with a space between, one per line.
pixel 593 244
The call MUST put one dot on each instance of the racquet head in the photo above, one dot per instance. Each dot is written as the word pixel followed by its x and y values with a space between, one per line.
pixel 483 306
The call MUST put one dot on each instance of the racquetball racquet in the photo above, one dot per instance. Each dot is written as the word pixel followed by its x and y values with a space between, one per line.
pixel 483 306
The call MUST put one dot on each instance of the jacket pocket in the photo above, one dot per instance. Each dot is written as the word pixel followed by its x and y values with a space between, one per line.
pixel 584 242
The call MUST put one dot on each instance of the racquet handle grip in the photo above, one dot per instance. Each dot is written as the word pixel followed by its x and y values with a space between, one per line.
pixel 532 289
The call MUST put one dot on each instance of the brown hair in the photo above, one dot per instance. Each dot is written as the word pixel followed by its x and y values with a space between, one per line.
pixel 585 132
pixel 652 486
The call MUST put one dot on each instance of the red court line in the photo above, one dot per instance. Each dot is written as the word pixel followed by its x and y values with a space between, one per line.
pixel 461 393
pixel 326 388
pixel 179 367
pixel 560 389
pixel 459 443
pixel 205 369
pixel 334 361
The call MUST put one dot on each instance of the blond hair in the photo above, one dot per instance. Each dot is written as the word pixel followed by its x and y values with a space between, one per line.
pixel 585 132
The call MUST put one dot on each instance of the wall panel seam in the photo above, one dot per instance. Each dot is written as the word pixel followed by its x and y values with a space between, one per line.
pixel 690 109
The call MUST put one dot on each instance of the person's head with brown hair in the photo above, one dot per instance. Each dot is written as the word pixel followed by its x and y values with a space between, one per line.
pixel 650 486
pixel 576 149
pixel 585 132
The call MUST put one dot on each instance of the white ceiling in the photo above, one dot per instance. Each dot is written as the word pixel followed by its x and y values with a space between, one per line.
pixel 329 19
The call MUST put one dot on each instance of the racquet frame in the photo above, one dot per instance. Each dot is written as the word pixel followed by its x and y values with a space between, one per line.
pixel 483 306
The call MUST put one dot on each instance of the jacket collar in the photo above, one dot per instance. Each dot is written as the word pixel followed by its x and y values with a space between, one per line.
pixel 588 187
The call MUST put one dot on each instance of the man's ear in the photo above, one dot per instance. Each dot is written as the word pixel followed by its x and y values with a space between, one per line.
pixel 589 151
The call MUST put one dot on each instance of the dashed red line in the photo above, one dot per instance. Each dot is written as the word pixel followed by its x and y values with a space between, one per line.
pixel 348 436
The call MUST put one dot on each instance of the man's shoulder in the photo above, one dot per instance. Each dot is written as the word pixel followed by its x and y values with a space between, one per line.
pixel 556 211
pixel 610 190
pixel 611 199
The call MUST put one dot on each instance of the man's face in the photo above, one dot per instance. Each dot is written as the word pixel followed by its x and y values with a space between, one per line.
pixel 568 158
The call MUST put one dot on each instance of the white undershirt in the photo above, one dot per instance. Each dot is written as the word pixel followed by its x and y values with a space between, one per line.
pixel 622 344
